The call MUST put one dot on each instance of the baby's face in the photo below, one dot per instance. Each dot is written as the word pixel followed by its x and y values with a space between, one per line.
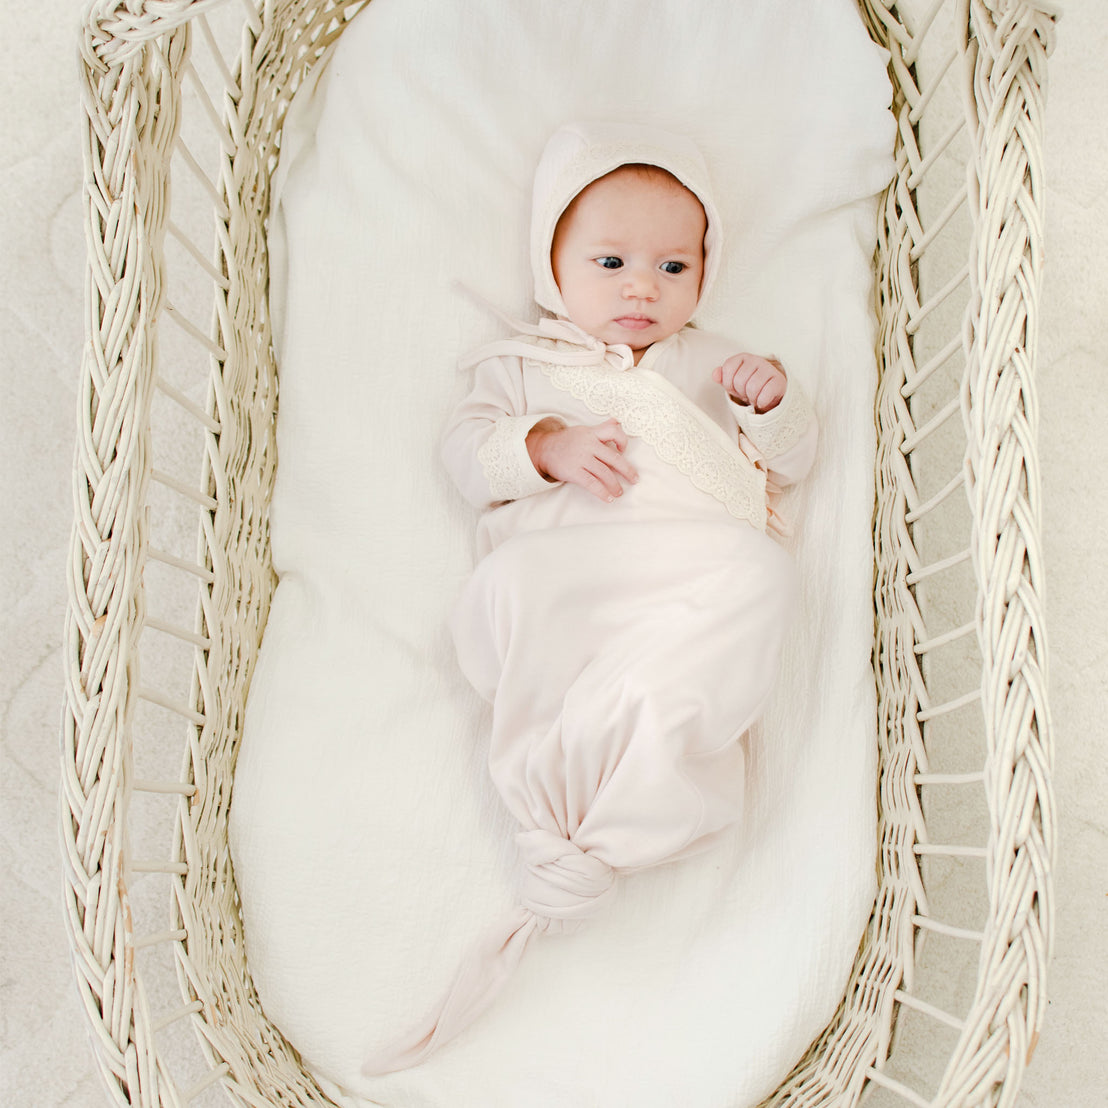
pixel 628 256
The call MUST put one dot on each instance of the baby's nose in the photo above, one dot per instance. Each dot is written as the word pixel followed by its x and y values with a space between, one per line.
pixel 640 285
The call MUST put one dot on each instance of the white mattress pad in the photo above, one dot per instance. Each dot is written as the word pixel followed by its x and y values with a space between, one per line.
pixel 370 848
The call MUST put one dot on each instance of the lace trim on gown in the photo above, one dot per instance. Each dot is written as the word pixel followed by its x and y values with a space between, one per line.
pixel 781 429
pixel 655 411
pixel 502 456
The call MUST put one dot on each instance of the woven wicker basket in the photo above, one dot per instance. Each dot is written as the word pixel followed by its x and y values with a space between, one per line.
pixel 177 425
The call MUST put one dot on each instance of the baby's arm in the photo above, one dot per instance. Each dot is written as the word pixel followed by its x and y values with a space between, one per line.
pixel 591 457
pixel 484 445
pixel 773 413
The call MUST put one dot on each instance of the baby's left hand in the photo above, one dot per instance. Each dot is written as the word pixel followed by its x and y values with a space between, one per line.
pixel 752 380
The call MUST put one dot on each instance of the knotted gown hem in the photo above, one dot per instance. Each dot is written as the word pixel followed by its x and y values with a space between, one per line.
pixel 624 663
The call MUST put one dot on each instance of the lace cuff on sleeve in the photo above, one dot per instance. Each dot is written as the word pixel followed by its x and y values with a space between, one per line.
pixel 780 429
pixel 506 463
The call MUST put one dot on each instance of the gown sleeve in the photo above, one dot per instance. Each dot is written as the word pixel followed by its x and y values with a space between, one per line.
pixel 785 437
pixel 484 447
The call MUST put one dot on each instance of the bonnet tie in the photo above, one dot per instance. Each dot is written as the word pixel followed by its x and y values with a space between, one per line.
pixel 589 350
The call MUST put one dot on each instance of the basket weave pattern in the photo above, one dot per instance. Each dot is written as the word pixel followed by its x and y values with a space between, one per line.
pixel 956 353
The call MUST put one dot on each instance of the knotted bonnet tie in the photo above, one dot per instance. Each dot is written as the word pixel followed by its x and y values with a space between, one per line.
pixel 587 349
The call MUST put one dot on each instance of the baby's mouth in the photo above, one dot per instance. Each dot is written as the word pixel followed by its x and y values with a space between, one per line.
pixel 635 322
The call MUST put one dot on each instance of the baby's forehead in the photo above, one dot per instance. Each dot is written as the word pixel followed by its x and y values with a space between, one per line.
pixel 637 175
pixel 603 197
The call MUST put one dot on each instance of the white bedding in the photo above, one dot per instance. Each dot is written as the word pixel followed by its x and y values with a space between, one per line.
pixel 370 848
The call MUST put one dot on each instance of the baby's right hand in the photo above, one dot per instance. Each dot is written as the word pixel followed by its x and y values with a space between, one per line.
pixel 752 380
pixel 591 457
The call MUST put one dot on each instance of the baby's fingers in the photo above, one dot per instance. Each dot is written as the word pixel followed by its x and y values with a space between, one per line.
pixel 600 481
pixel 734 375
pixel 769 394
pixel 765 387
pixel 612 458
pixel 610 431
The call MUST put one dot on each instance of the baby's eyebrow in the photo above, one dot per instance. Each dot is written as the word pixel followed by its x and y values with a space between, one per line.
pixel 686 247
pixel 601 247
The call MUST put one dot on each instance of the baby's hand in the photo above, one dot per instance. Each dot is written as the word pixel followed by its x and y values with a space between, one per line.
pixel 591 457
pixel 752 380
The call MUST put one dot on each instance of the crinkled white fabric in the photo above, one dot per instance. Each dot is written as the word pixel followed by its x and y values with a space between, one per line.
pixel 371 849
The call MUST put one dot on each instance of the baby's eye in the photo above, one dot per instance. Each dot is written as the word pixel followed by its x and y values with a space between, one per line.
pixel 609 262
pixel 674 267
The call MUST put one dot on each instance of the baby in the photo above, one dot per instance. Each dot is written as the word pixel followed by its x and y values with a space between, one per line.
pixel 628 607
pixel 628 259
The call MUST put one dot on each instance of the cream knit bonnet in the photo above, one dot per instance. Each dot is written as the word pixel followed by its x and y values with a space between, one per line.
pixel 580 153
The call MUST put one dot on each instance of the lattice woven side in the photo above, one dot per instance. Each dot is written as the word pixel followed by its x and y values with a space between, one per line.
pixel 131 125
pixel 835 1068
pixel 278 51
pixel 1004 104
pixel 1006 77
pixel 133 56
